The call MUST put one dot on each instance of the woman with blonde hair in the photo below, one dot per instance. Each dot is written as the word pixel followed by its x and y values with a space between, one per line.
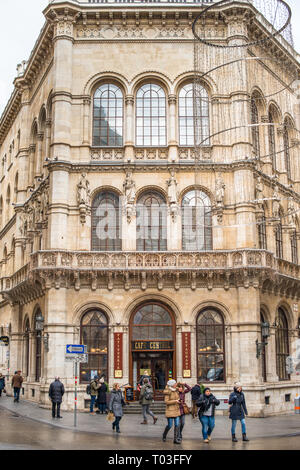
pixel 116 406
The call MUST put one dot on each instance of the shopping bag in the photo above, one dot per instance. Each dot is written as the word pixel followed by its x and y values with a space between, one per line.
pixel 110 417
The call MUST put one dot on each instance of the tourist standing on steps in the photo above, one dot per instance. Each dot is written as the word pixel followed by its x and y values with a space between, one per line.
pixel 94 393
pixel 146 398
pixel 116 406
pixel 56 392
pixel 172 401
pixel 2 384
pixel 183 389
pixel 16 384
pixel 207 404
pixel 238 410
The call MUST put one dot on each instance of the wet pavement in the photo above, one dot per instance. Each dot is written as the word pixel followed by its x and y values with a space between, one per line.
pixel 26 426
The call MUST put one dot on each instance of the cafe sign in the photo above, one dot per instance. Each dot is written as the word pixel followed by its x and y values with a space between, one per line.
pixel 152 346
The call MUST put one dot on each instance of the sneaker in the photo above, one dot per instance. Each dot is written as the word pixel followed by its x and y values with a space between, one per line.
pixel 206 441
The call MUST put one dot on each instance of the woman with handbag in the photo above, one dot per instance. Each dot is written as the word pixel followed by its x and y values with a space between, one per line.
pixel 2 384
pixel 116 406
pixel 183 389
pixel 172 410
pixel 207 404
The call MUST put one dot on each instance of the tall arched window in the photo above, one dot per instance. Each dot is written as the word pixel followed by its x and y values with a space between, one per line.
pixel 263 351
pixel 8 201
pixel 38 349
pixel 106 232
pixel 262 232
pixel 255 128
pixel 151 222
pixel 282 345
pixel 152 322
pixel 196 221
pixel 94 335
pixel 108 116
pixel 210 346
pixel 26 349
pixel 189 114
pixel 294 247
pixel 279 240
pixel 287 127
pixel 151 121
pixel 272 137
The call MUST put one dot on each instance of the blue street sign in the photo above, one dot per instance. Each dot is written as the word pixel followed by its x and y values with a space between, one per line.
pixel 75 349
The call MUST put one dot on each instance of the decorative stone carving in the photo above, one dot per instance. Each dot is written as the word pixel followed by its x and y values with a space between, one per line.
pixel 259 192
pixel 276 203
pixel 291 213
pixel 172 196
pixel 129 188
pixel 220 194
pixel 83 197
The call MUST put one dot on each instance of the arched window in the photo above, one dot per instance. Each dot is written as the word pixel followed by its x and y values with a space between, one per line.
pixel 38 348
pixel 108 116
pixel 94 335
pixel 152 322
pixel 279 240
pixel 26 349
pixel 282 345
pixel 262 232
pixel 189 114
pixel 272 138
pixel 8 200
pixel 151 121
pixel 255 128
pixel 263 351
pixel 210 346
pixel 151 222
pixel 287 127
pixel 196 221
pixel 294 247
pixel 106 232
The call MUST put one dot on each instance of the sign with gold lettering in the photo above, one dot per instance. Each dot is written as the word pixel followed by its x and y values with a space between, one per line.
pixel 186 355
pixel 118 355
pixel 152 345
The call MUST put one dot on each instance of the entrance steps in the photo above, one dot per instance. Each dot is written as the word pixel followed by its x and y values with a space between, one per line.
pixel 134 408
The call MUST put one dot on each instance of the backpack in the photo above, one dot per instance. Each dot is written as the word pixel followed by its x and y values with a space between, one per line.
pixel 88 389
pixel 148 395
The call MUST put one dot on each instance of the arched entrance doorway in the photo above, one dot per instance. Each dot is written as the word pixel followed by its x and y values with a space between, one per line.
pixel 152 346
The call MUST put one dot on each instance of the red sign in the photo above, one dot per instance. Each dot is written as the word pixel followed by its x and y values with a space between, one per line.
pixel 186 356
pixel 118 355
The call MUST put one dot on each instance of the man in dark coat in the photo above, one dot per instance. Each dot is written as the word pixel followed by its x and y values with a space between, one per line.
pixel 56 392
pixel 238 410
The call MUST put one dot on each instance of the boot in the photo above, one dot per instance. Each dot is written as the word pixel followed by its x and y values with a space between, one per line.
pixel 145 422
pixel 245 439
pixel 154 420
pixel 180 431
pixel 165 433
pixel 234 439
pixel 177 439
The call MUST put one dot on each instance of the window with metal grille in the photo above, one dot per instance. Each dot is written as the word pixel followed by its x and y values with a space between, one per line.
pixel 196 221
pixel 262 233
pixel 151 222
pixel 108 116
pixel 106 232
pixel 210 346
pixel 282 345
pixel 188 115
pixel 151 120
pixel 279 241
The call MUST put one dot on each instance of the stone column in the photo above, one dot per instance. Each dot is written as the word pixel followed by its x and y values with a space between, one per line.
pixel 39 157
pixel 16 339
pixel 86 121
pixel 245 209
pixel 48 138
pixel 173 139
pixel 58 213
pixel 287 233
pixel 280 156
pixel 129 128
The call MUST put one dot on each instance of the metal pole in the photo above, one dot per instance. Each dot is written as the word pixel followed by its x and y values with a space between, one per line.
pixel 75 407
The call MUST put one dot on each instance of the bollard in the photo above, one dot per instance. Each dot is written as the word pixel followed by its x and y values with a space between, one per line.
pixel 297 405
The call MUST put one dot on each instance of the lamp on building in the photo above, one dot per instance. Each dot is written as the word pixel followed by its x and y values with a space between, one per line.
pixel 265 333
pixel 39 322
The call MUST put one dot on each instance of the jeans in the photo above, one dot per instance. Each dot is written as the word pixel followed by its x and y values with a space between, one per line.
pixel 17 393
pixel 182 421
pixel 243 424
pixel 208 424
pixel 176 422
pixel 55 406
pixel 147 411
pixel 102 407
pixel 93 399
pixel 116 423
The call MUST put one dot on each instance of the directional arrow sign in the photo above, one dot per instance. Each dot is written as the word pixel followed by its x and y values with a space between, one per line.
pixel 76 349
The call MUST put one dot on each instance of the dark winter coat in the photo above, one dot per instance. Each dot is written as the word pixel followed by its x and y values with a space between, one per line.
pixel 102 394
pixel 238 408
pixel 205 402
pixel 196 392
pixel 2 383
pixel 182 398
pixel 116 403
pixel 56 391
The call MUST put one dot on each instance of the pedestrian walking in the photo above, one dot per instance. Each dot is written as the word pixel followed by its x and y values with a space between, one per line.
pixel 56 392
pixel 94 393
pixel 116 406
pixel 172 401
pixel 196 393
pixel 207 404
pixel 16 384
pixel 146 398
pixel 238 410
pixel 2 384
pixel 101 399
pixel 183 389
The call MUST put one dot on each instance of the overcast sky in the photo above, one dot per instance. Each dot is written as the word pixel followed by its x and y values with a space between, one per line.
pixel 21 22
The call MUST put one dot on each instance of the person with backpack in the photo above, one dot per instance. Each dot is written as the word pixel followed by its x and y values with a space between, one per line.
pixel 196 392
pixel 94 387
pixel 146 398
pixel 207 404
pixel 183 389
pixel 238 410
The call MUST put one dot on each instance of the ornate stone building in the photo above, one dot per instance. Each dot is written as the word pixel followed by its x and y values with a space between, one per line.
pixel 114 236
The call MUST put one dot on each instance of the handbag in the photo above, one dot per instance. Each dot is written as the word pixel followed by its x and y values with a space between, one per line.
pixel 110 417
pixel 186 409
